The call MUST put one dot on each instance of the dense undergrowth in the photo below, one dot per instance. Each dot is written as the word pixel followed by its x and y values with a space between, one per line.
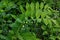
pixel 29 20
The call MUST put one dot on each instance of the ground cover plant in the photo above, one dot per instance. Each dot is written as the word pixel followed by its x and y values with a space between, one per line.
pixel 29 20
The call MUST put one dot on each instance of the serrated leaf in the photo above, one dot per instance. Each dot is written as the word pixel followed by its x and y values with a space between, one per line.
pixel 32 10
pixel 37 14
pixel 27 6
pixel 43 15
pixel 37 6
pixel 45 21
pixel 55 22
pixel 41 5
pixel 28 10
pixel 46 6
pixel 13 16
pixel 22 9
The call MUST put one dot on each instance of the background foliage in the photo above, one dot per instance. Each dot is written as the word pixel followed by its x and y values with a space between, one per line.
pixel 29 20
